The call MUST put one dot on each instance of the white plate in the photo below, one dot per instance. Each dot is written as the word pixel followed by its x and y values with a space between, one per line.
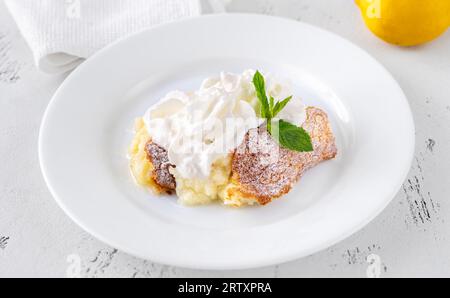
pixel 88 126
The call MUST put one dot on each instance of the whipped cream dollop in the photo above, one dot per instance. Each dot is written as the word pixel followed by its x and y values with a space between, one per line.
pixel 197 128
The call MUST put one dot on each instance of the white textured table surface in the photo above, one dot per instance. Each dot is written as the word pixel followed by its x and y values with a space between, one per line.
pixel 411 237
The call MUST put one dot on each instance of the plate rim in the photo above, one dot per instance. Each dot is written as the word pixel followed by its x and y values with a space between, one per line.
pixel 275 259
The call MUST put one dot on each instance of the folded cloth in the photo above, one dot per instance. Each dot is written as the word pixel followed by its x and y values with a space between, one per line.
pixel 61 33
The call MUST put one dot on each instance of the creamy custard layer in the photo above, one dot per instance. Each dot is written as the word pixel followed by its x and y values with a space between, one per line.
pixel 190 191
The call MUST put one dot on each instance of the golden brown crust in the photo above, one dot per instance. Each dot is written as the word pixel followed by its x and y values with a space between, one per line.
pixel 262 170
pixel 163 179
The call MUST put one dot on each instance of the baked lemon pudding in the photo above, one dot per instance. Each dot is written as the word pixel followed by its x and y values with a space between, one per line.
pixel 230 141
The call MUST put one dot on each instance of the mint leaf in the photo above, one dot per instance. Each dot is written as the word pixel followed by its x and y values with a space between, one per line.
pixel 260 87
pixel 286 134
pixel 292 137
pixel 279 106
pixel 271 105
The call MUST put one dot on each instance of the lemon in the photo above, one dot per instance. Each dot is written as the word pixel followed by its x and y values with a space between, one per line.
pixel 406 22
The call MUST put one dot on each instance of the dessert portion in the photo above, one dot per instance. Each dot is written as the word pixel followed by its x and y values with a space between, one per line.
pixel 230 141
pixel 263 177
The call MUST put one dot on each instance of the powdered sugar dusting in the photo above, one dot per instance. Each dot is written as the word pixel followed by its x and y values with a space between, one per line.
pixel 266 171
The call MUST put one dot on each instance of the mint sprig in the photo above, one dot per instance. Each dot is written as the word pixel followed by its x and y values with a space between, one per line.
pixel 286 134
pixel 260 87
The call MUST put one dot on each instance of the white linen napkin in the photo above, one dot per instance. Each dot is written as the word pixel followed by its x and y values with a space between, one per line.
pixel 61 33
